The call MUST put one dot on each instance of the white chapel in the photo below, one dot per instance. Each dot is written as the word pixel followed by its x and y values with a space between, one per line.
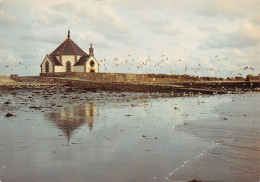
pixel 69 57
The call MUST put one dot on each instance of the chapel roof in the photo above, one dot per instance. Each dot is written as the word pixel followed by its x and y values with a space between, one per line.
pixel 82 61
pixel 55 60
pixel 68 47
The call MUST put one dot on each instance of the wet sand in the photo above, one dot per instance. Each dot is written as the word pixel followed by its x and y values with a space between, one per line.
pixel 236 131
pixel 64 134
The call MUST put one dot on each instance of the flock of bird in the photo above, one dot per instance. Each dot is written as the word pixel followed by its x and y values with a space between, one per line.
pixel 149 65
pixel 19 65
pixel 159 65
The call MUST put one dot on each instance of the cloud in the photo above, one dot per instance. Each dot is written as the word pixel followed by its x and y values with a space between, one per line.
pixel 104 20
pixel 8 60
pixel 207 27
pixel 6 18
pixel 246 36
pixel 66 7
pixel 177 29
pixel 239 53
pixel 256 20
pixel 1 42
pixel 222 8
pixel 157 22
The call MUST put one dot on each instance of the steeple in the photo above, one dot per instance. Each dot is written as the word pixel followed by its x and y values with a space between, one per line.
pixel 91 51
pixel 68 33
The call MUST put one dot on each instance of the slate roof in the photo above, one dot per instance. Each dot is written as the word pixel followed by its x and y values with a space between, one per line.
pixel 55 60
pixel 82 60
pixel 68 47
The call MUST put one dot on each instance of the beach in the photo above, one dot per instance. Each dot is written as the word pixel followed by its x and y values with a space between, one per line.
pixel 64 134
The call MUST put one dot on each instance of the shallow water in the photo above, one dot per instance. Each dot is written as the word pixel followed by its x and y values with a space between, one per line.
pixel 129 137
pixel 237 133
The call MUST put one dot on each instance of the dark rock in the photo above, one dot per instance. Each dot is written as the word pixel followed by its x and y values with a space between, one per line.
pixel 35 107
pixel 194 180
pixel 9 115
pixel 7 102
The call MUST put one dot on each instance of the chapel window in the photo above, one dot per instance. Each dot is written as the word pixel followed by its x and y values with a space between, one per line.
pixel 92 63
pixel 47 67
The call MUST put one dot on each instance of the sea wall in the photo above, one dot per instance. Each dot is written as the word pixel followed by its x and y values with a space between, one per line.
pixel 102 77
pixel 125 77
pixel 252 78
pixel 101 86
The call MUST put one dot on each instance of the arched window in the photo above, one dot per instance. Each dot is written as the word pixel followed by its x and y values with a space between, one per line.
pixel 68 66
pixel 47 67
pixel 92 63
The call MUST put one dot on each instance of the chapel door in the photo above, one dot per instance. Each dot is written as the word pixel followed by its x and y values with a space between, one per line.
pixel 68 66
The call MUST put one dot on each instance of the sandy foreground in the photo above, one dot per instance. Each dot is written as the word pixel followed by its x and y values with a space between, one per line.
pixel 56 133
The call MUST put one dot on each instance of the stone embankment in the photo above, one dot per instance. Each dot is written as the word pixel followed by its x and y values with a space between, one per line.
pixel 119 82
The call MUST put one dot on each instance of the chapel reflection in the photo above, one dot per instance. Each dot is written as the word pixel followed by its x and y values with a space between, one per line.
pixel 71 118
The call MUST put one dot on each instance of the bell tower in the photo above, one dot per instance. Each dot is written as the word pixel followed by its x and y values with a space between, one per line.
pixel 91 50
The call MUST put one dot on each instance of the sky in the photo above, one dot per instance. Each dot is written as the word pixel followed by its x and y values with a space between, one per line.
pixel 219 38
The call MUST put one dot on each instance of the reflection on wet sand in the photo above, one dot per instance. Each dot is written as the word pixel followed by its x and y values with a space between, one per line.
pixel 71 118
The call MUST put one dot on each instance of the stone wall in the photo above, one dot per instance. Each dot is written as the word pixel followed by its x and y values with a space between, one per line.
pixel 252 78
pixel 102 77
pixel 120 77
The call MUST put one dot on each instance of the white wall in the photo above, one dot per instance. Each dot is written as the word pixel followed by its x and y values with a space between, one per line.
pixel 60 69
pixel 46 59
pixel 95 67
pixel 70 58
